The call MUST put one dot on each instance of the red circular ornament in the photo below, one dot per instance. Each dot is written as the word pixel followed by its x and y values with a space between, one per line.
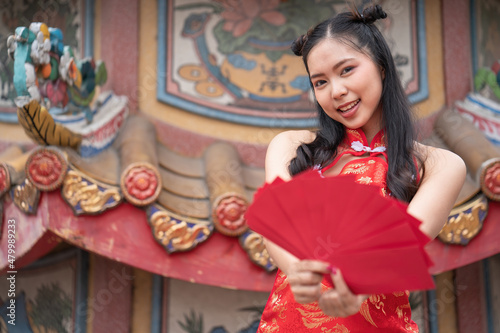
pixel 4 179
pixel 228 214
pixel 141 184
pixel 492 179
pixel 46 168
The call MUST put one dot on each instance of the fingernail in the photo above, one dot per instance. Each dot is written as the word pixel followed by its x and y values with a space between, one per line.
pixel 332 269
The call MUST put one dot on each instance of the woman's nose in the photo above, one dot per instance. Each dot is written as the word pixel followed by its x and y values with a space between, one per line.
pixel 338 90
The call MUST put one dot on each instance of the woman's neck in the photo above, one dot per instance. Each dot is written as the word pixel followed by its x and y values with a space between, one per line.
pixel 370 133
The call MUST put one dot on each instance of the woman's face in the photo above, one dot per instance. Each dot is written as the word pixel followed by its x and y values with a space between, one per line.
pixel 347 84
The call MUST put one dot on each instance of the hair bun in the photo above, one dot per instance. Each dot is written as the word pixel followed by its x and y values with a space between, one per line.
pixel 373 13
pixel 298 45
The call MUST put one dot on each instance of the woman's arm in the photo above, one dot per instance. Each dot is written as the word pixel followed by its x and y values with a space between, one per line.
pixel 443 178
pixel 304 276
pixel 281 150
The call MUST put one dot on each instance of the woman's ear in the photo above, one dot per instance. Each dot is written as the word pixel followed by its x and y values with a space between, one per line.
pixel 382 72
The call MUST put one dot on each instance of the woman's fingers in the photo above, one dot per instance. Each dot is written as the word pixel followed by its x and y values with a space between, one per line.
pixel 331 304
pixel 314 266
pixel 306 294
pixel 362 298
pixel 340 301
pixel 339 283
pixel 305 280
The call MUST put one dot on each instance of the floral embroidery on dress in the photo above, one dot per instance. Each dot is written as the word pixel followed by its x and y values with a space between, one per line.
pixel 337 329
pixel 400 310
pixel 312 316
pixel 355 168
pixel 269 328
pixel 365 312
pixel 376 300
pixel 365 180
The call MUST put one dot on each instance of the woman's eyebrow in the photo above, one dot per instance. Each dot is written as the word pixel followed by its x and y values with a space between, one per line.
pixel 337 65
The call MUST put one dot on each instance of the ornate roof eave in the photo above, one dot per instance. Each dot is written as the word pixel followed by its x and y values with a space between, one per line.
pixel 471 232
pixel 123 234
pixel 177 229
pixel 132 196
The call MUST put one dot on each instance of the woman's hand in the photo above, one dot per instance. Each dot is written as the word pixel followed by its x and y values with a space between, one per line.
pixel 305 278
pixel 340 301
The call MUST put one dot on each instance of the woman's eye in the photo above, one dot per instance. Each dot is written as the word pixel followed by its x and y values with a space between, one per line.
pixel 319 83
pixel 347 70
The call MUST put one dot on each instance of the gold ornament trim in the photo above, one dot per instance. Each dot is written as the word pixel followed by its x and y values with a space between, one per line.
pixel 26 197
pixel 465 221
pixel 87 196
pixel 253 244
pixel 178 234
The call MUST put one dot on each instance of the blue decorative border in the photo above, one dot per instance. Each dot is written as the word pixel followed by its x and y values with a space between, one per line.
pixel 163 96
pixel 432 311
pixel 156 304
pixel 490 316
pixel 423 79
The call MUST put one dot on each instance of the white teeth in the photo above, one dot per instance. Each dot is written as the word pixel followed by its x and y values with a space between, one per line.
pixel 350 106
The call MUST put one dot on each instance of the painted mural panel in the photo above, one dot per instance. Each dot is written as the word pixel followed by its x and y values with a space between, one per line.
pixel 46 296
pixel 63 14
pixel 486 32
pixel 197 308
pixel 231 59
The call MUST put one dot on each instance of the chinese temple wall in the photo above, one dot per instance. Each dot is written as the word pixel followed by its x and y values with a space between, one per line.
pixel 449 41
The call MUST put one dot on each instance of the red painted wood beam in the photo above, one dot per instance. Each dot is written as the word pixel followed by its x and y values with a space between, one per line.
pixel 123 235
pixel 447 257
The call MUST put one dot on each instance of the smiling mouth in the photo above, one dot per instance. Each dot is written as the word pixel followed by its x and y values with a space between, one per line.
pixel 349 106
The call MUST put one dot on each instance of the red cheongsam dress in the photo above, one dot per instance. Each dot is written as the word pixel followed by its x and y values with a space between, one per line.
pixel 379 313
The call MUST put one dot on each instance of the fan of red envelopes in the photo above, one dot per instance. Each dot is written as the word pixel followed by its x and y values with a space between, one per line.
pixel 376 244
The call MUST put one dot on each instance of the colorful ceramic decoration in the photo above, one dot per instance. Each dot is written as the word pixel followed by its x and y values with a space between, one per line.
pixel 228 214
pixel 88 196
pixel 25 196
pixel 176 233
pixel 48 72
pixel 482 112
pixel 39 125
pixel 253 244
pixel 140 183
pixel 46 168
pixel 465 221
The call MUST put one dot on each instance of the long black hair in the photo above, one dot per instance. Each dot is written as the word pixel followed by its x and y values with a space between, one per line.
pixel 358 31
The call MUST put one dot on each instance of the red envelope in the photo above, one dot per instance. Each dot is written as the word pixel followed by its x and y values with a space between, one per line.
pixel 376 244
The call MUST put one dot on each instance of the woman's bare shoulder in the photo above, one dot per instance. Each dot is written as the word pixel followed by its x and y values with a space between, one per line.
pixel 292 139
pixel 443 178
pixel 438 154
pixel 282 149
pixel 442 161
